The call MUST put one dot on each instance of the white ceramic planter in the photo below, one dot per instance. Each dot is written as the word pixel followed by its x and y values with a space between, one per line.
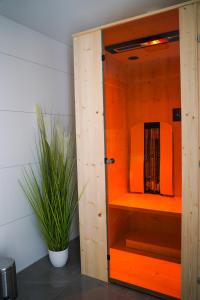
pixel 58 258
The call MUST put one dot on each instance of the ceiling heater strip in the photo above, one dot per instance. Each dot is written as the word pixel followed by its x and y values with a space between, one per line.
pixel 152 40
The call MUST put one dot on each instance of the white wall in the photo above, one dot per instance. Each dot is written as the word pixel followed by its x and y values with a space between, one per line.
pixel 33 69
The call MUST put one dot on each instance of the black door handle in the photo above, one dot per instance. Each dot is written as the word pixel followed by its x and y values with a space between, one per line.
pixel 109 161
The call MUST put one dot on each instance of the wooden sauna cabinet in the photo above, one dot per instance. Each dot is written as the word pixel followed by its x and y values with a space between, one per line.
pixel 127 245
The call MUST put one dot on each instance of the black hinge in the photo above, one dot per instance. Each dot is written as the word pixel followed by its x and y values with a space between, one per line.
pixel 198 38
pixel 103 57
pixel 108 256
pixel 176 114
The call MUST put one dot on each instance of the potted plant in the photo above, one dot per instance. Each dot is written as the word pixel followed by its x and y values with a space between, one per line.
pixel 51 188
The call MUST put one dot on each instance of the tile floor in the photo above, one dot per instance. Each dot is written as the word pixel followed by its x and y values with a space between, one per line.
pixel 41 281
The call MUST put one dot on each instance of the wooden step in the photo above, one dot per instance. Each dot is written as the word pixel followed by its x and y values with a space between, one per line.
pixel 153 274
pixel 148 202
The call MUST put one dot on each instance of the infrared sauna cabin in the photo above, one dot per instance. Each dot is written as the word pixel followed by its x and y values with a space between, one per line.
pixel 137 132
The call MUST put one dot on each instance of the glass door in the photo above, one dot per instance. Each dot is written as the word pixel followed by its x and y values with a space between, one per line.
pixel 143 156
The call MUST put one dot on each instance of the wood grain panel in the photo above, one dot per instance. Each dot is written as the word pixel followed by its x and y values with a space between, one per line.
pixel 143 27
pixel 190 152
pixel 198 20
pixel 90 154
pixel 137 159
pixel 166 159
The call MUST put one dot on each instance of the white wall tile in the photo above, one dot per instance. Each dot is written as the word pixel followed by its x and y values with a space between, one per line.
pixel 22 241
pixel 13 202
pixel 17 141
pixel 24 84
pixel 18 136
pixel 23 42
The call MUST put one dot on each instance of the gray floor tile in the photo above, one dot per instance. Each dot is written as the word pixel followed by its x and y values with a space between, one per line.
pixel 41 281
pixel 86 288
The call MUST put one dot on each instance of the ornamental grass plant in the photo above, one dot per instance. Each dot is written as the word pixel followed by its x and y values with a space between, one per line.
pixel 51 188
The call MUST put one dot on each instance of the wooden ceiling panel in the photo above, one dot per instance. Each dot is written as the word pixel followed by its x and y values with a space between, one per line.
pixel 159 23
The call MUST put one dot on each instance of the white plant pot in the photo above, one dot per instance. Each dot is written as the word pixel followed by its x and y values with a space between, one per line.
pixel 58 258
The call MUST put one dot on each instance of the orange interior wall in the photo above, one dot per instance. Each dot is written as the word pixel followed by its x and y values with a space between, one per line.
pixel 134 93
pixel 115 86
pixel 153 91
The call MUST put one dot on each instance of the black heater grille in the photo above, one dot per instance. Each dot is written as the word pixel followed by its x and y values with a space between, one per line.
pixel 152 157
pixel 152 40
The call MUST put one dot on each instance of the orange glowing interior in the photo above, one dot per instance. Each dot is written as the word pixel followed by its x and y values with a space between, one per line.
pixel 144 228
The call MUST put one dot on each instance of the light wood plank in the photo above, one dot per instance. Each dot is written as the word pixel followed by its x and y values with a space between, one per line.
pixel 90 154
pixel 198 28
pixel 190 152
